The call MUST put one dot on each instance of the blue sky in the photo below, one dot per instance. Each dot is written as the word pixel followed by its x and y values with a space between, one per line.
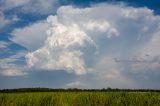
pixel 79 43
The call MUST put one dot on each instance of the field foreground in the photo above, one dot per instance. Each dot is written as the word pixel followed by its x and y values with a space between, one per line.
pixel 80 99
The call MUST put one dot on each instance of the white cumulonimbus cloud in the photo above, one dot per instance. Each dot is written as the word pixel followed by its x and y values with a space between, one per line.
pixel 79 39
pixel 67 37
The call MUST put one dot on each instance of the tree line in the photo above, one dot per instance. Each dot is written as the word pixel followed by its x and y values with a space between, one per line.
pixel 75 90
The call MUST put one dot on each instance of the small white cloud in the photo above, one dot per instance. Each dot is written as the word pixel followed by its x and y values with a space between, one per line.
pixel 75 84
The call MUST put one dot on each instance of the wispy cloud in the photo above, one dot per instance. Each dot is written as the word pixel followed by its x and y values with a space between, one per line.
pixel 3 20
pixel 9 68
pixel 30 6
pixel 3 45
pixel 6 21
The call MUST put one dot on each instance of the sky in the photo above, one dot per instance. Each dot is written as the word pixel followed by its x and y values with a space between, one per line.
pixel 80 44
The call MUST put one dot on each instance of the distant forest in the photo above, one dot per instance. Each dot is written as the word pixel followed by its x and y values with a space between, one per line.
pixel 75 90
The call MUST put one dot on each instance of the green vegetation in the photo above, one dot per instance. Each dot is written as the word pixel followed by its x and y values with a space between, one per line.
pixel 80 98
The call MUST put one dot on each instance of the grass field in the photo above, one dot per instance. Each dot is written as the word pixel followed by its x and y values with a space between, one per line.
pixel 80 99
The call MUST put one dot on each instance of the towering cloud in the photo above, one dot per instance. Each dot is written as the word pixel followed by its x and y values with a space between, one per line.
pixel 85 41
pixel 68 36
pixel 74 32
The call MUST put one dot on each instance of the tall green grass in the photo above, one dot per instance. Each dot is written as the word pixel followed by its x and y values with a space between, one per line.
pixel 80 99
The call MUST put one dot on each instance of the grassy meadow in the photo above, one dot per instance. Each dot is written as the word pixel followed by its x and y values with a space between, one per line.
pixel 80 99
